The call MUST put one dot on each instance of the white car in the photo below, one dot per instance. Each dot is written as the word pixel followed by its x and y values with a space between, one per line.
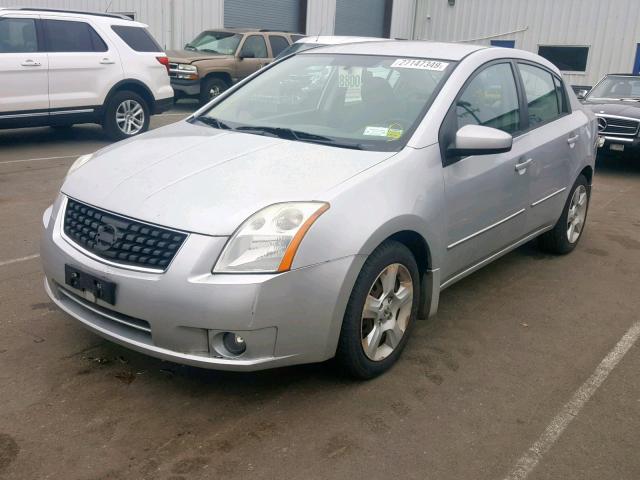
pixel 60 68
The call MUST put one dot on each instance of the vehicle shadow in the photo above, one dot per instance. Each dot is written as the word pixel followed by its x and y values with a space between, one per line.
pixel 79 135
pixel 625 164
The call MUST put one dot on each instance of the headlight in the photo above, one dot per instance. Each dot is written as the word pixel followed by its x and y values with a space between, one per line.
pixel 268 240
pixel 79 163
pixel 187 72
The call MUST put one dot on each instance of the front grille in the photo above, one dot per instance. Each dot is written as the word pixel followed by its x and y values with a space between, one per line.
pixel 119 239
pixel 618 126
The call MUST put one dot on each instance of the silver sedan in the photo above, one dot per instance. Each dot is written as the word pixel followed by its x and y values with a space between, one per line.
pixel 318 208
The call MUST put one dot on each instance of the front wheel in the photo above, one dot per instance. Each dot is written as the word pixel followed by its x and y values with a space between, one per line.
pixel 564 237
pixel 381 310
pixel 211 87
pixel 126 115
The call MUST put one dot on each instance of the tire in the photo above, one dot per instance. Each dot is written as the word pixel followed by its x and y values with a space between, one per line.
pixel 558 240
pixel 115 122
pixel 358 330
pixel 211 87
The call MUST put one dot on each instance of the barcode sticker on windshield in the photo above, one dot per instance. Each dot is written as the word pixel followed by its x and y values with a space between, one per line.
pixel 432 65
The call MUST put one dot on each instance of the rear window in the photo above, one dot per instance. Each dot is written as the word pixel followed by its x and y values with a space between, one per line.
pixel 138 38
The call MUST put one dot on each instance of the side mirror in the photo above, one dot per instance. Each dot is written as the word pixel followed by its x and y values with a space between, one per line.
pixel 244 55
pixel 479 140
pixel 582 94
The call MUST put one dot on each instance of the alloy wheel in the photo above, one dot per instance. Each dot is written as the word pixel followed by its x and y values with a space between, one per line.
pixel 386 312
pixel 130 117
pixel 577 214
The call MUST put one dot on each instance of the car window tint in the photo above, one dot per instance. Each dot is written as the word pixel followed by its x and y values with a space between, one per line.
pixel 255 45
pixel 295 38
pixel 491 99
pixel 69 36
pixel 138 38
pixel 18 35
pixel 540 91
pixel 278 44
pixel 562 96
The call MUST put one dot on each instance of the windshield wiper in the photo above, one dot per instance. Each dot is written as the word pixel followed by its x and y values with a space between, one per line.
pixel 290 134
pixel 213 122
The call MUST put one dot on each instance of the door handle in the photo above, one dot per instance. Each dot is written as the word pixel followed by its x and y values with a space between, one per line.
pixel 522 166
pixel 572 140
pixel 107 61
pixel 30 63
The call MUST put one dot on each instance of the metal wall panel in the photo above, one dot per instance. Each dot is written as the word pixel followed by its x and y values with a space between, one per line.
pixel 172 22
pixel 321 17
pixel 360 17
pixel 402 19
pixel 275 14
pixel 610 28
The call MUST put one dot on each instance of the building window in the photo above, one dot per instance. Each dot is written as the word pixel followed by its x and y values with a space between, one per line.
pixel 567 59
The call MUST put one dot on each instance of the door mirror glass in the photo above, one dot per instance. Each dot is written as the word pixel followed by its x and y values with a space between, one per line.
pixel 582 94
pixel 479 140
pixel 244 54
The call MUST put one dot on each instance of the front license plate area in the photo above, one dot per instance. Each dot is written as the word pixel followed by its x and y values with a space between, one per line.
pixel 94 288
pixel 616 147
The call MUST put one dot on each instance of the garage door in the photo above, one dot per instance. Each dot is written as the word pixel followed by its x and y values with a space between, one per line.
pixel 361 17
pixel 281 15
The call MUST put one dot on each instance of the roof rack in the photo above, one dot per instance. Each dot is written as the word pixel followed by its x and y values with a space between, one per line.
pixel 53 10
pixel 279 31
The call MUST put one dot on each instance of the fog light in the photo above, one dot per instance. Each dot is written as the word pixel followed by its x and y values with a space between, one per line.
pixel 234 344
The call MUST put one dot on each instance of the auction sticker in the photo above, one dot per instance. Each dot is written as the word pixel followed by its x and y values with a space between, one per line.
pixel 433 65
pixel 376 131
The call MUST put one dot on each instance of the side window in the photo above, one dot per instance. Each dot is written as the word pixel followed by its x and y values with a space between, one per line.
pixel 18 35
pixel 255 46
pixel 295 38
pixel 69 36
pixel 491 99
pixel 562 96
pixel 541 93
pixel 138 38
pixel 278 44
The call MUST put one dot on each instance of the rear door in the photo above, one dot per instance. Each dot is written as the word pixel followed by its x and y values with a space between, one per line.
pixel 82 64
pixel 23 68
pixel 553 131
pixel 487 195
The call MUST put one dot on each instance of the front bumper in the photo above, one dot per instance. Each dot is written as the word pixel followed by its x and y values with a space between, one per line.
pixel 185 87
pixel 285 319
pixel 630 143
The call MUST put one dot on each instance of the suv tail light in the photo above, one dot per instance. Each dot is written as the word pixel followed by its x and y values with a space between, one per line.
pixel 164 61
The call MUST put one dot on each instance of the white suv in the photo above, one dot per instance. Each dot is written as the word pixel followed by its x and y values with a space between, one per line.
pixel 60 67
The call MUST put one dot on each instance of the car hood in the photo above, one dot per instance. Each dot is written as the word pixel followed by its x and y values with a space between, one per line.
pixel 204 180
pixel 608 107
pixel 186 56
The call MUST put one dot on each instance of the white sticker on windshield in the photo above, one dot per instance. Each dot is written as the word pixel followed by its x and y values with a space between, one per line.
pixel 376 131
pixel 432 65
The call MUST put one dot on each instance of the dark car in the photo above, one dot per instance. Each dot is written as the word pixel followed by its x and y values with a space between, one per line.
pixel 615 100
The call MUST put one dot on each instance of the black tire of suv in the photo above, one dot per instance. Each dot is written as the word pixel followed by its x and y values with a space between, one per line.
pixel 350 355
pixel 556 240
pixel 109 120
pixel 208 84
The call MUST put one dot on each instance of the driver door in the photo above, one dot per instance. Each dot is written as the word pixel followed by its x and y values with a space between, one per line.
pixel 486 195
pixel 252 55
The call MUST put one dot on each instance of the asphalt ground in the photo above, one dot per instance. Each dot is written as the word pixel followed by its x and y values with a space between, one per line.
pixel 529 370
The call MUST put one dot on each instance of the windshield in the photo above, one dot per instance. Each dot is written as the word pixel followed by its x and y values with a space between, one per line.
pixel 298 47
pixel 617 87
pixel 224 43
pixel 352 101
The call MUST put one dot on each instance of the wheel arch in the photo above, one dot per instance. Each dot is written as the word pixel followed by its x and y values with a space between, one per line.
pixel 226 76
pixel 135 86
pixel 588 173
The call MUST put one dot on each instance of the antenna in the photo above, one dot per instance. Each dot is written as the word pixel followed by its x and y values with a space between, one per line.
pixel 108 6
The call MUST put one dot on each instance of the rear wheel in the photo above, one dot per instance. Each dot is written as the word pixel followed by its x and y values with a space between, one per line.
pixel 381 310
pixel 211 87
pixel 564 237
pixel 126 115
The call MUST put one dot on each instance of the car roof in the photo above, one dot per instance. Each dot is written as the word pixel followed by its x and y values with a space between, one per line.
pixel 110 18
pixel 402 48
pixel 246 30
pixel 338 39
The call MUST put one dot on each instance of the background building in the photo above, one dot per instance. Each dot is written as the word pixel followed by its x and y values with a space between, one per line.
pixel 585 38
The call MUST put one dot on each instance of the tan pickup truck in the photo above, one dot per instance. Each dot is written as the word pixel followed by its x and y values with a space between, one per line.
pixel 216 59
